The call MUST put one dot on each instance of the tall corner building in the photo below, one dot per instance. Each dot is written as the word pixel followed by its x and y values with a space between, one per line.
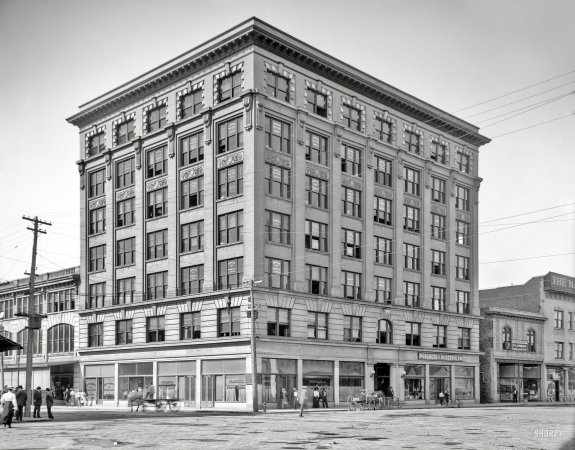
pixel 256 157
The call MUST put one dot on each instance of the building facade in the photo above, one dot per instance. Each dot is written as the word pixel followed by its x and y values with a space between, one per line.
pixel 55 361
pixel 528 337
pixel 257 157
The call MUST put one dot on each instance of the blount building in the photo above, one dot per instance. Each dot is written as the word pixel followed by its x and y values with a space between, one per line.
pixel 258 157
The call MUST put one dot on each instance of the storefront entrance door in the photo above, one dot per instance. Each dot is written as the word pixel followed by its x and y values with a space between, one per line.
pixel 208 391
pixel 437 385
pixel 381 379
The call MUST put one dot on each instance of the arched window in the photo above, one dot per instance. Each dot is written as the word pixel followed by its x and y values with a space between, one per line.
pixel 385 335
pixel 506 338
pixel 61 338
pixel 22 339
pixel 531 341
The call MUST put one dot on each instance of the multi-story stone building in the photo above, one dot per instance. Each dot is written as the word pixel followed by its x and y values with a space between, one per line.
pixel 528 337
pixel 256 156
pixel 55 362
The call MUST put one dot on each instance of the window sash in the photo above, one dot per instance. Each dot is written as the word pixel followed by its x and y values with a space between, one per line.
pixel 230 181
pixel 192 149
pixel 277 227
pixel 316 192
pixel 192 237
pixel 316 148
pixel 157 203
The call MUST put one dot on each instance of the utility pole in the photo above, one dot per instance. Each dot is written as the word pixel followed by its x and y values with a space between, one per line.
pixel 253 313
pixel 34 320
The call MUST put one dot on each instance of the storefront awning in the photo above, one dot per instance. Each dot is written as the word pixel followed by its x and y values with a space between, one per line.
pixel 6 344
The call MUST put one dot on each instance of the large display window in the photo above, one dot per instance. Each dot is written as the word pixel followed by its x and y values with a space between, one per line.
pixel 134 377
pixel 414 380
pixel 224 380
pixel 509 380
pixel 351 379
pixel 439 381
pixel 318 374
pixel 276 375
pixel 177 380
pixel 100 382
pixel 532 382
pixel 464 382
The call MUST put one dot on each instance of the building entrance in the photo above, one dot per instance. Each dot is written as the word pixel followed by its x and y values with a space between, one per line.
pixel 437 385
pixel 61 376
pixel 208 391
pixel 381 380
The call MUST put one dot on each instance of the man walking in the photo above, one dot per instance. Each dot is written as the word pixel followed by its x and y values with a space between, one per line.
pixel 323 396
pixel 302 400
pixel 21 399
pixel 37 402
pixel 49 402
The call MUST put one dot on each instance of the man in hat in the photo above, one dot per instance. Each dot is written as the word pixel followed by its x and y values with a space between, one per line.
pixel 37 402
pixel 49 402
pixel 21 399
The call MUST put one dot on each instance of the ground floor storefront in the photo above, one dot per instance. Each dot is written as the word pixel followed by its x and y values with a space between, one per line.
pixel 56 376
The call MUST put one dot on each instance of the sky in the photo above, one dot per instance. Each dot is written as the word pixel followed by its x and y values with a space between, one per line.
pixel 458 55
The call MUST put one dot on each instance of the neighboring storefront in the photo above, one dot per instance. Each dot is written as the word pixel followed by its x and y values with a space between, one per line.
pixel 276 375
pixel 319 374
pixel 177 380
pixel 555 385
pixel 351 379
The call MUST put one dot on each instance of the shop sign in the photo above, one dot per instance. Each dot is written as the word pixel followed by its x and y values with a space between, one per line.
pixel 109 387
pixel 520 345
pixel 277 128
pixel 312 382
pixel 91 387
pixel 167 383
pixel 440 357
pixel 315 141
pixel 556 282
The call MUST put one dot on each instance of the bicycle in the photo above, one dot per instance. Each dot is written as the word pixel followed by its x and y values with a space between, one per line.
pixel 396 403
pixel 456 403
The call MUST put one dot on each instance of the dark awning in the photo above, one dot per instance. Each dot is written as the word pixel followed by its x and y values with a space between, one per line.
pixel 6 344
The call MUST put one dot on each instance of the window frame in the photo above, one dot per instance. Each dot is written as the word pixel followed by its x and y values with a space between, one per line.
pixel 412 141
pixel 316 327
pixel 97 219
pixel 189 286
pixel 97 255
pixel 230 141
pixel 274 89
pixel 125 131
pixel 355 288
pixel 157 208
pixel 156 118
pixel 96 188
pixel 191 332
pixel 122 214
pixel 438 226
pixel 322 281
pixel 385 176
pixel 558 319
pixel 152 285
pixel 157 245
pixel 126 334
pixel 411 256
pixel 271 277
pixel 157 334
pixel 351 160
pixel 192 232
pixel 98 335
pixel 312 102
pixel 319 154
pixel 237 182
pixel 188 154
pixel 412 224
pixel 96 295
pixel 413 330
pixel 101 143
pixel 351 208
pixel 438 262
pixel 238 275
pixel 379 130
pixel 461 198
pixel 411 186
pixel 121 298
pixel 462 269
pixel 464 339
pixel 463 306
pixel 277 186
pixel 388 332
pixel 385 296
pixel 277 329
pixel 155 168
pixel 438 152
pixel 126 254
pixel 351 243
pixel 230 234
pixel 385 255
pixel 284 136
pixel 439 336
pixel 283 232
pixel 234 322
pixel 355 324
pixel 319 198
pixel 196 107
pixel 412 300
pixel 438 188
pixel 235 89
pixel 438 295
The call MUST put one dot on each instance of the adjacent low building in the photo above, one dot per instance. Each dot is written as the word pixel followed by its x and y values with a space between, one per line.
pixel 528 337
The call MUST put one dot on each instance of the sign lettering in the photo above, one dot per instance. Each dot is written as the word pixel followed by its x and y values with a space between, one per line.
pixel 440 357
pixel 315 141
pixel 276 128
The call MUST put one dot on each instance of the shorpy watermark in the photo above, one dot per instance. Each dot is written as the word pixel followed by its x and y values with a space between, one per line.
pixel 548 433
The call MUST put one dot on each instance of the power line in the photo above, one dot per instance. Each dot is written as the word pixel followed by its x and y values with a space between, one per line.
pixel 533 126
pixel 530 257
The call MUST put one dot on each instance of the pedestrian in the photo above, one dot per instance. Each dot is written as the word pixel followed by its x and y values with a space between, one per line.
pixel 49 402
pixel 441 398
pixel 8 402
pixel 302 400
pixel 323 396
pixel 37 402
pixel 66 395
pixel 72 396
pixel 21 400
pixel 316 398
pixel 77 396
pixel 295 397
pixel 151 391
pixel 446 396
pixel 514 394
pixel 284 399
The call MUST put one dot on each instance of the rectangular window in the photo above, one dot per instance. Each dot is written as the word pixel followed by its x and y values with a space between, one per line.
pixel 278 181
pixel 316 192
pixel 437 262
pixel 411 218
pixel 382 248
pixel 439 336
pixel 192 237
pixel 230 273
pixel 351 285
pixel 437 298
pixel 438 190
pixel 315 236
pixel 192 280
pixel 464 339
pixel 438 152
pixel 558 350
pixel 351 161
pixel 57 302
pixel 230 227
pixel 155 329
pixel 316 325
pixel 97 258
pixel 126 212
pixel 411 293
pixel 411 140
pixel 97 183
pixel 191 104
pixel 231 181
pixel 125 290
pixel 351 117
pixel 317 103
pixel 571 351
pixel 411 256
pixel 190 326
pixel 278 86
pixel 463 162
pixel 156 162
pixel 383 130
pixel 125 132
pixel 462 267
pixel 411 179
pixel 383 171
pixel 156 118
pixel 382 210
pixel 229 322
pixel 97 143
pixel 157 285
pixel 278 135
pixel 352 329
pixel 95 334
pixel 412 334
pixel 462 302
pixel 316 149
pixel 351 243
pixel 157 203
pixel 558 318
pixel 462 233
pixel 462 198
pixel 571 320
pixel 278 322
pixel 277 227
pixel 192 193
pixel 316 278
pixel 382 290
pixel 192 149
pixel 97 220
pixel 277 273
pixel 96 296
pixel 437 226
pixel 385 335
pixel 230 135
pixel 157 245
pixel 125 173
pixel 351 202
pixel 124 332
pixel 126 252
pixel 230 86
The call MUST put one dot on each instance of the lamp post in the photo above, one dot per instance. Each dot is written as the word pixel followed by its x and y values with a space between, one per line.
pixel 2 353
pixel 253 313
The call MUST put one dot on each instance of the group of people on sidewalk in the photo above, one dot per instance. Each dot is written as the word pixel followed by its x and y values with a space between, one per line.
pixel 300 398
pixel 444 396
pixel 14 401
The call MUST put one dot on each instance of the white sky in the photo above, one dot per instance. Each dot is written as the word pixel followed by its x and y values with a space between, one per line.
pixel 56 55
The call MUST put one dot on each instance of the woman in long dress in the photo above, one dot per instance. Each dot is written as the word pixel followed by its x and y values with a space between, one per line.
pixel 8 402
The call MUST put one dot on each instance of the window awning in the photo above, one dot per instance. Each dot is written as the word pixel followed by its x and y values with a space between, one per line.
pixel 6 344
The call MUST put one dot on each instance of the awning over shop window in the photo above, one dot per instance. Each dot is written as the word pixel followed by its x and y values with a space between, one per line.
pixel 6 344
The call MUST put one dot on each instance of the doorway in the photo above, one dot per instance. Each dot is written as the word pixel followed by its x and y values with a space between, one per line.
pixel 208 391
pixel 437 385
pixel 381 379
pixel 557 393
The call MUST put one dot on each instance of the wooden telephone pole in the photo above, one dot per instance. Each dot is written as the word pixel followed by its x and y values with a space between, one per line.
pixel 34 319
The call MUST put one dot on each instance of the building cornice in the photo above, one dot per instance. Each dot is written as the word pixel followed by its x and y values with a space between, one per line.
pixel 257 33
pixel 501 312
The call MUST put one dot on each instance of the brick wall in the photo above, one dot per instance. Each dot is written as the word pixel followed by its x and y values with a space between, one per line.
pixel 525 297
